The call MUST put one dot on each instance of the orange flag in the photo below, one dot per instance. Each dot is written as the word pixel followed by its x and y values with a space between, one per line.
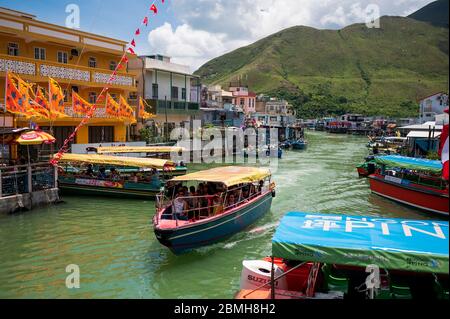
pixel 80 106
pixel 15 101
pixel 40 104
pixel 142 113
pixel 56 97
pixel 126 111
pixel 112 107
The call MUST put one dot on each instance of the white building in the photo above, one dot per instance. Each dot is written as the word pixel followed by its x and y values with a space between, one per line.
pixel 169 88
pixel 432 105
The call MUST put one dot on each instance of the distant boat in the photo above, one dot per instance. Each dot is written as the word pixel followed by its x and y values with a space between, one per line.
pixel 299 145
pixel 411 181
pixel 236 197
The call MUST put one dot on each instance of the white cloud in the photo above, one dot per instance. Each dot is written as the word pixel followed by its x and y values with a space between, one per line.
pixel 209 28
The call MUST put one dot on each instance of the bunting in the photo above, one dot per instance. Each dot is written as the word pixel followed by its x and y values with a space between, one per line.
pixel 15 101
pixel 79 105
pixel 111 106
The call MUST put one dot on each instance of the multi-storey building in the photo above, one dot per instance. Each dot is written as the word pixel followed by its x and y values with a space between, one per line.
pixel 432 105
pixel 170 89
pixel 79 61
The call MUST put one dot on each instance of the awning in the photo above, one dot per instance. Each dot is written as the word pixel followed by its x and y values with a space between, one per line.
pixel 401 244
pixel 117 161
pixel 35 138
pixel 139 149
pixel 423 134
pixel 230 175
pixel 419 164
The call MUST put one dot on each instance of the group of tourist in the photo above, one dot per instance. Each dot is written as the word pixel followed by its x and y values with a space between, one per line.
pixel 210 199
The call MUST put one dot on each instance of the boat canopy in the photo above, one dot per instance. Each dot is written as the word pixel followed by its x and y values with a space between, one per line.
pixel 139 149
pixel 396 244
pixel 139 162
pixel 229 176
pixel 410 163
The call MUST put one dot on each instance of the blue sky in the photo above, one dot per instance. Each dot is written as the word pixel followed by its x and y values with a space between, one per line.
pixel 195 31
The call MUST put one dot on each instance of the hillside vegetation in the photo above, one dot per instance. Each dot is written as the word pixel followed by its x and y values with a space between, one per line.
pixel 371 71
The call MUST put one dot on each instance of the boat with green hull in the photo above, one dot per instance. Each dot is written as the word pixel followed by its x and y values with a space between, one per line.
pixel 101 175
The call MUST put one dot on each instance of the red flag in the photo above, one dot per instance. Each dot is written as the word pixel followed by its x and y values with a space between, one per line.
pixel 444 151
pixel 125 59
pixel 145 21
pixel 133 43
pixel 154 9
pixel 131 50
pixel 137 32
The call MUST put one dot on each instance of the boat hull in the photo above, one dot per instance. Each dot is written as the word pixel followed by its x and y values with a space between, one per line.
pixel 72 189
pixel 300 146
pixel 201 234
pixel 424 199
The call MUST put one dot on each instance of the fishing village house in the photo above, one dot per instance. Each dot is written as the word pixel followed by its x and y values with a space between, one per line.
pixel 276 113
pixel 432 105
pixel 170 89
pixel 78 61
pixel 243 98
pixel 218 108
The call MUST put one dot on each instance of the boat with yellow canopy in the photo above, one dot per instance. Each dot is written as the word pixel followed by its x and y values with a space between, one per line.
pixel 93 174
pixel 205 207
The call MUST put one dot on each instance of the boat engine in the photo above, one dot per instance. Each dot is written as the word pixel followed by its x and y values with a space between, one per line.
pixel 256 273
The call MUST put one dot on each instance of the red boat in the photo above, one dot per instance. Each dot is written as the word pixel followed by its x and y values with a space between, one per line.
pixel 414 182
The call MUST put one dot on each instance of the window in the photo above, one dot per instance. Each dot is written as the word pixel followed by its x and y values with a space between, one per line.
pixel 39 53
pixel 155 91
pixel 112 65
pixel 66 96
pixel 13 49
pixel 92 62
pixel 183 94
pixel 242 102
pixel 273 118
pixel 133 96
pixel 174 92
pixel 114 96
pixel 62 57
pixel 101 134
pixel 92 97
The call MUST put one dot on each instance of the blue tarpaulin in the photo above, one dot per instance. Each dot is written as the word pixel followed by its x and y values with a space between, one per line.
pixel 402 244
pixel 410 163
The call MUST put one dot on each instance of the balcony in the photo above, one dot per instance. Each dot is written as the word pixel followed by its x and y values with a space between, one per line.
pixel 38 70
pixel 172 107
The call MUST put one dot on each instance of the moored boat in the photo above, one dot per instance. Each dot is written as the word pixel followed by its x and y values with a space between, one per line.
pixel 411 181
pixel 218 203
pixel 113 175
pixel 299 144
pixel 368 167
pixel 327 256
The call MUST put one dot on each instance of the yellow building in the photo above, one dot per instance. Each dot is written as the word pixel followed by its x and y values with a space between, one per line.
pixel 79 61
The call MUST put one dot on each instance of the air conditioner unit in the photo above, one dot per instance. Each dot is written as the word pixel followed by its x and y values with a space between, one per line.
pixel 74 52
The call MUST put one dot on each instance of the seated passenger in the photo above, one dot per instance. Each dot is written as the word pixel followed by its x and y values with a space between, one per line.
pixel 115 175
pixel 102 173
pixel 180 206
pixel 231 201
pixel 89 171
pixel 134 178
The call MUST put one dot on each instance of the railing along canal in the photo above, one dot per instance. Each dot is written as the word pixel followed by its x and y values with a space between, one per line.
pixel 22 179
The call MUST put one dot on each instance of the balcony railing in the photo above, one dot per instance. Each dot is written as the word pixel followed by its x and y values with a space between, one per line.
pixel 27 66
pixel 159 106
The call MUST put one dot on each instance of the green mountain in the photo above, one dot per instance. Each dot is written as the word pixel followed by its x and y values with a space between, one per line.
pixel 435 13
pixel 356 69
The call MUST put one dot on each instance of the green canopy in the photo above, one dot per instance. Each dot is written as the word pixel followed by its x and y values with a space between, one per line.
pixel 418 164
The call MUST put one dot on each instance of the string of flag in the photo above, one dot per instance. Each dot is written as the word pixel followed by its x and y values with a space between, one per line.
pixel 121 109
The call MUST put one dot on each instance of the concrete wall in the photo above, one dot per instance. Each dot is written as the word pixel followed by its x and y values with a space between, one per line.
pixel 24 202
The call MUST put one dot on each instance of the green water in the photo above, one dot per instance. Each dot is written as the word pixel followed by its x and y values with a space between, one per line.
pixel 112 242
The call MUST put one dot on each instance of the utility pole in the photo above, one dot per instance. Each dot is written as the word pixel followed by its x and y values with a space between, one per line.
pixel 166 130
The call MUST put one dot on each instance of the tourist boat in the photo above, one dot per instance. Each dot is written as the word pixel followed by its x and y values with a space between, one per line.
pixel 328 256
pixel 139 177
pixel 159 151
pixel 236 197
pixel 411 181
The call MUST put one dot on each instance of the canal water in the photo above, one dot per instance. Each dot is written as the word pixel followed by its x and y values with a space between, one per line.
pixel 112 241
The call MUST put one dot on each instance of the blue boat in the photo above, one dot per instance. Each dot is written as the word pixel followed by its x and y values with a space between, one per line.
pixel 299 145
pixel 225 201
